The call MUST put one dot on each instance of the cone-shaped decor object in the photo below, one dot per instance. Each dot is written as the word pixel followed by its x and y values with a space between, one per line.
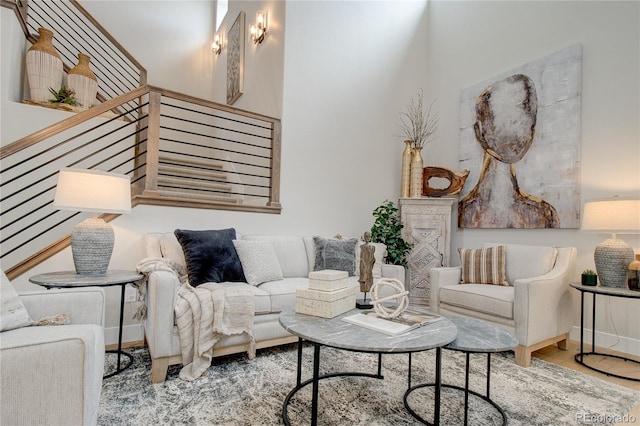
pixel 44 67
pixel 405 188
pixel 83 82
pixel 417 165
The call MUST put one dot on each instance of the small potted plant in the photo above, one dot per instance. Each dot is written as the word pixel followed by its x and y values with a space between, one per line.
pixel 589 277
pixel 62 96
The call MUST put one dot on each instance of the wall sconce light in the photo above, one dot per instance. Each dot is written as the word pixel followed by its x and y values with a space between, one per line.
pixel 258 31
pixel 216 46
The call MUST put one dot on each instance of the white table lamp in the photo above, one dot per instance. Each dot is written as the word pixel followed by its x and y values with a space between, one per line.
pixel 613 256
pixel 98 192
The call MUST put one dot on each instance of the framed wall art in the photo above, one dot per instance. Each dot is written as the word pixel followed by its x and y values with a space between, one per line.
pixel 520 139
pixel 235 59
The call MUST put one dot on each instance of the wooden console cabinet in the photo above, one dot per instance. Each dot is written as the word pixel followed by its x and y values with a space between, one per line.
pixel 426 224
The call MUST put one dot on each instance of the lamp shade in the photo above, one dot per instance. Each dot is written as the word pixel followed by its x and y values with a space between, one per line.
pixel 93 191
pixel 613 215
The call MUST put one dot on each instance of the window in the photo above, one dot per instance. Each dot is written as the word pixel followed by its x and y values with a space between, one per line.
pixel 222 6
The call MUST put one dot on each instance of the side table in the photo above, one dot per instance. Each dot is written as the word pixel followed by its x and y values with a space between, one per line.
pixel 69 279
pixel 474 336
pixel 605 291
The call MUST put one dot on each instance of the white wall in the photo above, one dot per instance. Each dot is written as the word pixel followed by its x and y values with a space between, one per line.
pixel 171 39
pixel 263 63
pixel 468 42
pixel 344 86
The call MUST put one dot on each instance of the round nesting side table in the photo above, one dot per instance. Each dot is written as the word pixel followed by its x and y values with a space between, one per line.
pixel 336 333
pixel 474 336
pixel 604 291
pixel 69 279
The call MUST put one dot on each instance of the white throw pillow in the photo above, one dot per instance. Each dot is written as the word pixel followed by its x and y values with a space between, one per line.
pixel 13 314
pixel 259 261
pixel 172 250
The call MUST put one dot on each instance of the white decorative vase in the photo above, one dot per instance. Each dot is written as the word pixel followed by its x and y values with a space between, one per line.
pixel 416 172
pixel 405 188
pixel 83 82
pixel 44 67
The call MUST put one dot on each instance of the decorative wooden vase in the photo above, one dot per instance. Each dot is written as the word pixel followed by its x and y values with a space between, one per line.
pixel 405 188
pixel 416 173
pixel 44 67
pixel 83 82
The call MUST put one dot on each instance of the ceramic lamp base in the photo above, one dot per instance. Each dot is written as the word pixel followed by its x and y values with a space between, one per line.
pixel 92 244
pixel 612 258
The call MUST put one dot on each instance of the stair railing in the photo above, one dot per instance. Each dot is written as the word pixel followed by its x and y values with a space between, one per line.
pixel 179 151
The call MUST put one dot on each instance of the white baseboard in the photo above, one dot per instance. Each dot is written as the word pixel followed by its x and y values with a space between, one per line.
pixel 130 333
pixel 609 341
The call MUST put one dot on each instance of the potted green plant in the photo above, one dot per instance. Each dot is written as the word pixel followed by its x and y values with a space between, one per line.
pixel 589 277
pixel 387 229
pixel 62 96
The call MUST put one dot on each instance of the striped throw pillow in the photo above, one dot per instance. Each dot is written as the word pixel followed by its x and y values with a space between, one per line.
pixel 484 266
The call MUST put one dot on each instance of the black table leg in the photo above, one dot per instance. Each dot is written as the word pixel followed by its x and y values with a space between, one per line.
pixel 119 352
pixel 466 389
pixel 581 326
pixel 489 375
pixel 409 376
pixel 593 325
pixel 299 372
pixel 436 410
pixel 314 397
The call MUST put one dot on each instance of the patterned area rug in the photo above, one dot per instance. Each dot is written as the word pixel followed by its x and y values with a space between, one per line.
pixel 238 391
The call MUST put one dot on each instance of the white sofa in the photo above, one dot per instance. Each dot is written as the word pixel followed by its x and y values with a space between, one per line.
pixel 296 256
pixel 535 306
pixel 52 375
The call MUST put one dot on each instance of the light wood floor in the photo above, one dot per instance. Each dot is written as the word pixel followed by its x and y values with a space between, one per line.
pixel 566 359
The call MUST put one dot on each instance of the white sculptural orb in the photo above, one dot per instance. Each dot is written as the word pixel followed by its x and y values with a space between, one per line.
pixel 400 295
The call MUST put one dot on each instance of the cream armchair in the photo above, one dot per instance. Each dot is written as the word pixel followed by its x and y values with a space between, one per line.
pixel 536 306
pixel 52 375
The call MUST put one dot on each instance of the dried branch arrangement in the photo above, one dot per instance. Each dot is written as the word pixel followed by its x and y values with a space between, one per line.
pixel 417 124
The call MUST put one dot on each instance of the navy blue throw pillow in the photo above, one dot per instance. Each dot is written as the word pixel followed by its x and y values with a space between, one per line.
pixel 210 256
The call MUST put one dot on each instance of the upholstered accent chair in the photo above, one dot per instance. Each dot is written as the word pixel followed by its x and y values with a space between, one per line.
pixel 531 299
pixel 51 374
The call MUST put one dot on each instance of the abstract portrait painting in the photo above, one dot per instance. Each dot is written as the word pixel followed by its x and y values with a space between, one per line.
pixel 520 140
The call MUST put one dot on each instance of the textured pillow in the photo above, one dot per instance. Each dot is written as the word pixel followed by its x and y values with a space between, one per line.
pixel 259 261
pixel 483 266
pixel 210 256
pixel 339 255
pixel 13 314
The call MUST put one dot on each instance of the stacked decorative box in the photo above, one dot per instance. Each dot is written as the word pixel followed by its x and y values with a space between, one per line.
pixel 328 295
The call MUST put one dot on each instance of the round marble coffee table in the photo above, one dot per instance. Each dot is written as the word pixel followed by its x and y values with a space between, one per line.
pixel 474 336
pixel 336 333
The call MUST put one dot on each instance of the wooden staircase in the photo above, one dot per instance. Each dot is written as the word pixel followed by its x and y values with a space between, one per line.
pixel 195 179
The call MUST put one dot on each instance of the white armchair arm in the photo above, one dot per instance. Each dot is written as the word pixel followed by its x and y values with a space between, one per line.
pixel 441 277
pixel 162 290
pixel 542 305
pixel 83 305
